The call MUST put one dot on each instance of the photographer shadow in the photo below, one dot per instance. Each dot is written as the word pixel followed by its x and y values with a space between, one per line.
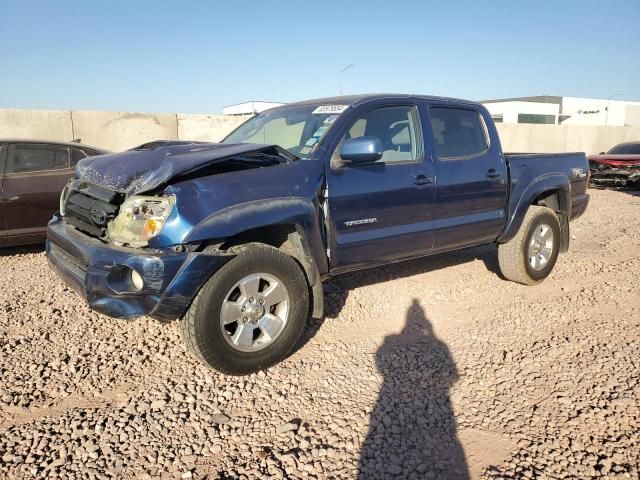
pixel 413 430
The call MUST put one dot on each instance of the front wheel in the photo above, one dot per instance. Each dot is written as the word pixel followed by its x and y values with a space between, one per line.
pixel 250 313
pixel 529 257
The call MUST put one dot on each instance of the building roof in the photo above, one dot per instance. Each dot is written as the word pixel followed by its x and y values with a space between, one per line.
pixel 536 98
pixel 252 101
pixel 250 107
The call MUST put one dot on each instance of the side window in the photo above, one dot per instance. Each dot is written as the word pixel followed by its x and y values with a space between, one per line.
pixel 3 154
pixel 458 133
pixel 76 156
pixel 35 158
pixel 397 128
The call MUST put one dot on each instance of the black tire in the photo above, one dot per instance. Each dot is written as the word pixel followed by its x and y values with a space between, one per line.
pixel 512 256
pixel 201 328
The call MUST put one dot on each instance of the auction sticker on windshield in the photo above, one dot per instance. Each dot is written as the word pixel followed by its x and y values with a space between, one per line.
pixel 320 132
pixel 330 109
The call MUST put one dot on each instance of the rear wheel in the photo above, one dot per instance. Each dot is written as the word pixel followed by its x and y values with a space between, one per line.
pixel 250 314
pixel 530 256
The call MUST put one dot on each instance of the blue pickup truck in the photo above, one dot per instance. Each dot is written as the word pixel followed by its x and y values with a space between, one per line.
pixel 236 238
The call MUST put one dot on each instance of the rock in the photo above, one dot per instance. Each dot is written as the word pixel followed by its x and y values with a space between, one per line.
pixel 605 465
pixel 158 404
pixel 216 448
pixel 220 418
pixel 288 427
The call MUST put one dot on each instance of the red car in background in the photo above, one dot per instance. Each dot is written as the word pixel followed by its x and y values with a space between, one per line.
pixel 32 176
pixel 619 167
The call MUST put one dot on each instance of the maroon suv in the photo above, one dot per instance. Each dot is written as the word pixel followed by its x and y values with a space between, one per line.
pixel 32 175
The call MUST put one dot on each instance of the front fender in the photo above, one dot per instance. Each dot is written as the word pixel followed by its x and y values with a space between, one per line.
pixel 242 217
pixel 523 196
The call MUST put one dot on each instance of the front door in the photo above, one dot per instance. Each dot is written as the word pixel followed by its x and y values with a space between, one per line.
pixel 35 174
pixel 382 211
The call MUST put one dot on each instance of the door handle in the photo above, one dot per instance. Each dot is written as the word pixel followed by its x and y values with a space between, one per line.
pixel 13 199
pixel 493 173
pixel 422 180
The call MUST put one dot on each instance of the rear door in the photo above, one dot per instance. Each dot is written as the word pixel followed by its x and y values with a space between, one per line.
pixel 471 196
pixel 35 174
pixel 382 211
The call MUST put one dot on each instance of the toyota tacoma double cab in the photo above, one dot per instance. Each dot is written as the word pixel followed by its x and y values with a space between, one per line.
pixel 236 238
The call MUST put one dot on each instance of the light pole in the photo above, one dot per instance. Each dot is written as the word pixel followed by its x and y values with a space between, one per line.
pixel 340 76
pixel 606 118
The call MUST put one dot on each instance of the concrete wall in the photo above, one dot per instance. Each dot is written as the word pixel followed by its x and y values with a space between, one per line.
pixel 118 131
pixel 114 131
pixel 632 115
pixel 563 138
pixel 208 128
pixel 44 124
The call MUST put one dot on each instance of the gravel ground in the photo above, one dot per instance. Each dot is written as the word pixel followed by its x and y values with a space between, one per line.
pixel 436 368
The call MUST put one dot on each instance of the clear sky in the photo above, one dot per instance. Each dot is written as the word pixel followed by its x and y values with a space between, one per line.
pixel 196 56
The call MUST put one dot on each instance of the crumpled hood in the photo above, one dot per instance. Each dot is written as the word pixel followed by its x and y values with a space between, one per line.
pixel 137 171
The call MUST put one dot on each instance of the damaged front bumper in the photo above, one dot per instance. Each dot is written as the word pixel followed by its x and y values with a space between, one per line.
pixel 603 175
pixel 102 274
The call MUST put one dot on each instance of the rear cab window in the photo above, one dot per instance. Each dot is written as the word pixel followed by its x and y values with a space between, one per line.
pixel 37 158
pixel 458 132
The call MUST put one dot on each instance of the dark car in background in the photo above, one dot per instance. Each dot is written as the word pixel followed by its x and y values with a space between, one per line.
pixel 619 167
pixel 32 175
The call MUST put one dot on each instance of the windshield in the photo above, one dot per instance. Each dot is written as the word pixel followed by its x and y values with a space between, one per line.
pixel 626 149
pixel 298 129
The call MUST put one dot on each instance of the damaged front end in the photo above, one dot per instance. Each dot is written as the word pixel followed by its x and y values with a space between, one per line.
pixel 119 198
pixel 129 282
pixel 618 175
pixel 119 239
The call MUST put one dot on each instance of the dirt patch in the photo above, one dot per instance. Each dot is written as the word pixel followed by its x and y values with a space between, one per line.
pixel 436 368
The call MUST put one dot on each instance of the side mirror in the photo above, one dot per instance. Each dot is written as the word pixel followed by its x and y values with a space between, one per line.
pixel 361 150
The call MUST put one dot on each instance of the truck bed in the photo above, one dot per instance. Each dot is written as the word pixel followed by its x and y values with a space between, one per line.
pixel 526 169
pixel 511 155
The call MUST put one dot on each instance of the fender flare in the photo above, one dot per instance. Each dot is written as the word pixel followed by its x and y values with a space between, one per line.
pixel 551 183
pixel 303 214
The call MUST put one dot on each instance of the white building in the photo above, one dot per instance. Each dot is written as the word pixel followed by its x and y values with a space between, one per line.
pixel 564 110
pixel 248 108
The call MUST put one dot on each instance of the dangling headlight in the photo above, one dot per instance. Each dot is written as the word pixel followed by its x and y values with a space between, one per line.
pixel 63 199
pixel 140 219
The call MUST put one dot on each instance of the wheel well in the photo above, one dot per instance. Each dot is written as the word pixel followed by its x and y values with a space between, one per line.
pixel 552 200
pixel 276 236
pixel 549 199
pixel 290 240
